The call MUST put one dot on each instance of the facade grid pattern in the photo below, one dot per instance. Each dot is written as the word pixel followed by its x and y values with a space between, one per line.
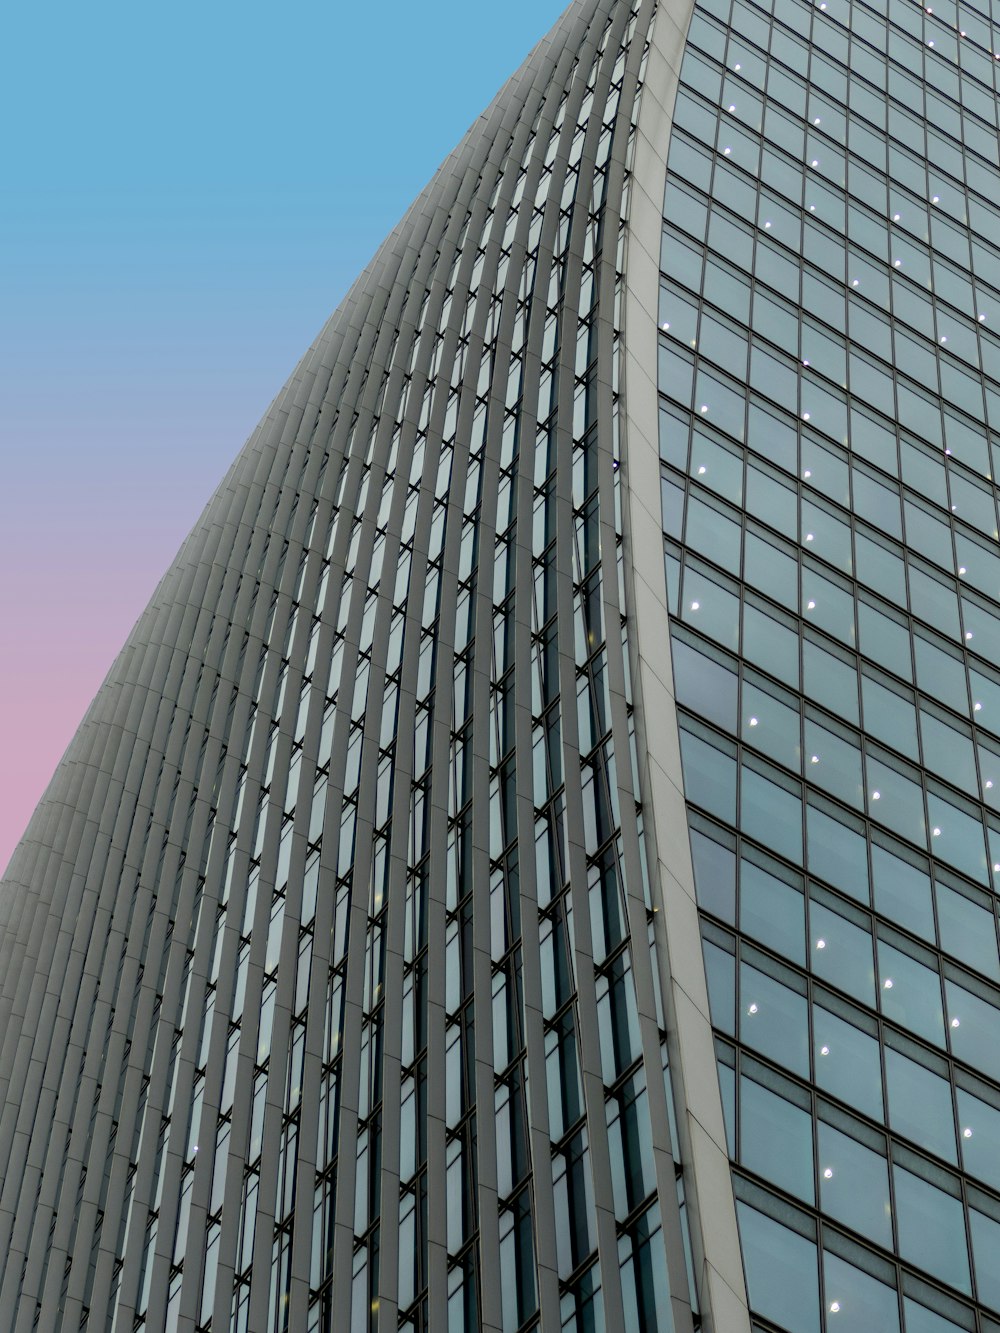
pixel 830 383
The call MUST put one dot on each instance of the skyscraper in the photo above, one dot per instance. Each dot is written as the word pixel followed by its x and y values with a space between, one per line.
pixel 533 863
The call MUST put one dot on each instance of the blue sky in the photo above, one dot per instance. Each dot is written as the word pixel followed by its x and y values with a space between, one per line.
pixel 188 191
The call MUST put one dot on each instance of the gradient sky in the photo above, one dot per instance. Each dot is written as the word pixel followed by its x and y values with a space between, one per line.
pixel 186 193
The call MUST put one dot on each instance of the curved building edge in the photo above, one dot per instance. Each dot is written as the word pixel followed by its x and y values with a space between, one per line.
pixel 701 1129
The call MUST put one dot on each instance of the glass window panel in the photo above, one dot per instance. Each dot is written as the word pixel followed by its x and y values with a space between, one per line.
pixel 720 403
pixel 770 571
pixel 841 953
pixel 833 763
pixel 919 1319
pixel 782 1278
pixel 896 800
pixel 714 876
pixel 847 1062
pixel 986 701
pixel 771 815
pixel 714 535
pixel 772 646
pixel 972 1027
pixel 772 912
pixel 837 854
pixel 947 751
pixel 902 892
pixel 771 725
pixel 827 536
pixel 931 1230
pixel 776 1139
pixel 941 675
pixel 884 640
pixel 920 1105
pixel 933 601
pixel 770 500
pixel 854 1185
pixel 957 837
pixel 968 931
pixel 979 1137
pixel 830 681
pixel 881 569
pixel 709 776
pixel 704 685
pixel 910 993
pixel 773 1020
pixel 720 970
pixel 890 716
pixel 827 606
pixel 717 467
pixel 985 1251
pixel 711 608
pixel 858 1303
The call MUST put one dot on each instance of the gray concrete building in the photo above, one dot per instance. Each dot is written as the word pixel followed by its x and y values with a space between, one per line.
pixel 533 863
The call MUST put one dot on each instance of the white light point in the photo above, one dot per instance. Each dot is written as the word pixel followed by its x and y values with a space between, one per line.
pixel 702 470
pixel 834 1307
pixel 753 722
pixel 824 1050
pixel 695 606
pixel 966 1133
pixel 752 1009
pixel 821 944
pixel 887 984
pixel 936 832
pixel 827 1174
pixel 956 1023
pixel 810 606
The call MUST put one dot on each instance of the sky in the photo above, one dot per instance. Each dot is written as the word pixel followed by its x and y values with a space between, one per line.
pixel 186 193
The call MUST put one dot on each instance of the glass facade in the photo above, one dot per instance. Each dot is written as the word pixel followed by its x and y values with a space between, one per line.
pixel 829 382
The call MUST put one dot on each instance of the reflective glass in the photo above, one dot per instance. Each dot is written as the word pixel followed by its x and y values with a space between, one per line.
pixel 854 1185
pixel 846 1062
pixel 772 911
pixel 920 1105
pixel 856 1302
pixel 774 1020
pixel 781 1271
pixel 931 1229
pixel 776 1139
